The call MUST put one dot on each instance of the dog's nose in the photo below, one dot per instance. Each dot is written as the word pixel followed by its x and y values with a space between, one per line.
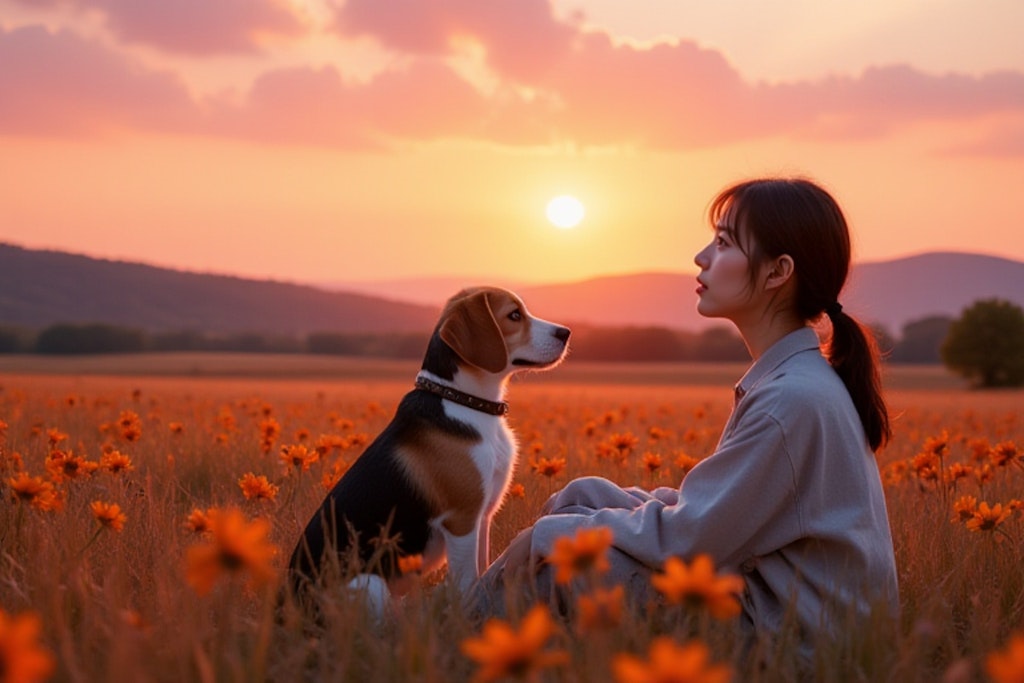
pixel 562 334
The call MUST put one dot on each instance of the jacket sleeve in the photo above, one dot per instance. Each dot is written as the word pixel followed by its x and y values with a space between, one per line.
pixel 737 503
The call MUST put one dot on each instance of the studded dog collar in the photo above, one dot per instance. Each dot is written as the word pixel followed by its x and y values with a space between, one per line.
pixel 462 398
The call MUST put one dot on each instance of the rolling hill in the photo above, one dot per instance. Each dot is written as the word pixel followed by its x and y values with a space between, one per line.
pixel 889 293
pixel 39 288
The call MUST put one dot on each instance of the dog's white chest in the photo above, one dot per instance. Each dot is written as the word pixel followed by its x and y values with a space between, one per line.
pixel 494 456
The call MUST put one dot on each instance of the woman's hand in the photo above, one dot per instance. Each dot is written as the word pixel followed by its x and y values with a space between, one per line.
pixel 517 554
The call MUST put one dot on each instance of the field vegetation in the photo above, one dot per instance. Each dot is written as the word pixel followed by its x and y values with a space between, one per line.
pixel 145 520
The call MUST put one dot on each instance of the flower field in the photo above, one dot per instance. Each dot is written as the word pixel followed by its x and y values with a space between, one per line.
pixel 145 522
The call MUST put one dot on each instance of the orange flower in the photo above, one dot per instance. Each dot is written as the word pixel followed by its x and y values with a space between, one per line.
pixel 1007 665
pixel 334 475
pixel 980 449
pixel 937 445
pixel 984 474
pixel 257 488
pixel 176 427
pixel 657 434
pixel 685 462
pixel 926 466
pixel 548 467
pixel 55 436
pixel 958 471
pixel 586 551
pixel 987 518
pixel 1004 453
pixel 410 564
pixel 671 663
pixel 108 515
pixel 22 658
pixel 502 651
pixel 269 431
pixel 356 440
pixel 65 466
pixel 623 443
pixel 698 585
pixel 116 462
pixel 600 610
pixel 200 521
pixel 235 546
pixel 130 424
pixel 298 457
pixel 517 491
pixel 652 461
pixel 10 461
pixel 964 508
pixel 35 491
pixel 329 442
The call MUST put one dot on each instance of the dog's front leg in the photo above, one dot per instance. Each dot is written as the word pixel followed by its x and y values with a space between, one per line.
pixel 483 556
pixel 463 554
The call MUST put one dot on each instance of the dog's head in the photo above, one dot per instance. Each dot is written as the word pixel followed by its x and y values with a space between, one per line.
pixel 490 329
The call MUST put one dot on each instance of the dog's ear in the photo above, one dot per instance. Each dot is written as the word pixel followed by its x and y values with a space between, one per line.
pixel 473 333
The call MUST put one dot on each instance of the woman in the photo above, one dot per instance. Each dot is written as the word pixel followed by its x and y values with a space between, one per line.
pixel 791 498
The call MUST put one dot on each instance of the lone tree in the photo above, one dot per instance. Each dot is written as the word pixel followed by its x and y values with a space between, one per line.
pixel 986 344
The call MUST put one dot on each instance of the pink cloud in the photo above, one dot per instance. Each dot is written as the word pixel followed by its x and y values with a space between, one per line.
pixel 315 106
pixel 675 95
pixel 59 84
pixel 594 92
pixel 197 27
pixel 521 38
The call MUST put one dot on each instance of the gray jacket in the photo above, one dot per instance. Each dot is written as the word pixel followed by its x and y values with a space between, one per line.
pixel 791 498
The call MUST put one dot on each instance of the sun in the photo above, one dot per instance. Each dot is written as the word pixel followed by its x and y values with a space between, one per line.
pixel 565 211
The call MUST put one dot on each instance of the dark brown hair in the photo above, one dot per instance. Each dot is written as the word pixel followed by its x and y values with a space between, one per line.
pixel 794 216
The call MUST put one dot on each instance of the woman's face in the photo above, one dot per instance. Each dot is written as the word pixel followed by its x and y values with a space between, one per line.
pixel 724 284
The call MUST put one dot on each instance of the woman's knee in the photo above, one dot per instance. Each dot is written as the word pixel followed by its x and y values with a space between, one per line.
pixel 588 493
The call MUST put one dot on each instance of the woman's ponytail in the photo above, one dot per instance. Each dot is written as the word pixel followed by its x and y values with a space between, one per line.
pixel 853 353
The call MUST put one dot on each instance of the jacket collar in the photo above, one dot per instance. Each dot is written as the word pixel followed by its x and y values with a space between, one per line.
pixel 793 343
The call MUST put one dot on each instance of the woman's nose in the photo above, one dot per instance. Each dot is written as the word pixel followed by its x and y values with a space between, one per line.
pixel 701 258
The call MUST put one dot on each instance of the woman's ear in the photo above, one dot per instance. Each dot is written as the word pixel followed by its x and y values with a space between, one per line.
pixel 780 271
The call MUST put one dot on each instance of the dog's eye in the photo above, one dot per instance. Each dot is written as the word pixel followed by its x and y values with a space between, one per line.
pixel 515 315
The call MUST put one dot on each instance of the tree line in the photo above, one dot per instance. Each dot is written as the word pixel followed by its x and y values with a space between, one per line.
pixel 986 344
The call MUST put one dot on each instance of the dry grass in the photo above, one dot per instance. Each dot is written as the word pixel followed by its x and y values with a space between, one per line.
pixel 119 605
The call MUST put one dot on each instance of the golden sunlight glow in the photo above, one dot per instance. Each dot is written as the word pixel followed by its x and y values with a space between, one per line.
pixel 565 211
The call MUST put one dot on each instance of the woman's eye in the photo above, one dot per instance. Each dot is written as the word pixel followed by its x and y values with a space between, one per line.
pixel 515 315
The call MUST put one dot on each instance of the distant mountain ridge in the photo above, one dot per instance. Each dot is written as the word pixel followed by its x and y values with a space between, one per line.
pixel 40 288
pixel 889 293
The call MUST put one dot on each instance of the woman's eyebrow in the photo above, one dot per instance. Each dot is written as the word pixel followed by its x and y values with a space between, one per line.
pixel 727 230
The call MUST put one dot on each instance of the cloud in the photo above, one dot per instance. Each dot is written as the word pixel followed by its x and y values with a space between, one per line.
pixel 193 27
pixel 520 38
pixel 315 106
pixel 588 91
pixel 60 84
pixel 883 99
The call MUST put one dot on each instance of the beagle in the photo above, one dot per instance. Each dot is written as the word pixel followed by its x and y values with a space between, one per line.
pixel 431 482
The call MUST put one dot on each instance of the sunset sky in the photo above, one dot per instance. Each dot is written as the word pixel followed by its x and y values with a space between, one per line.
pixel 320 140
